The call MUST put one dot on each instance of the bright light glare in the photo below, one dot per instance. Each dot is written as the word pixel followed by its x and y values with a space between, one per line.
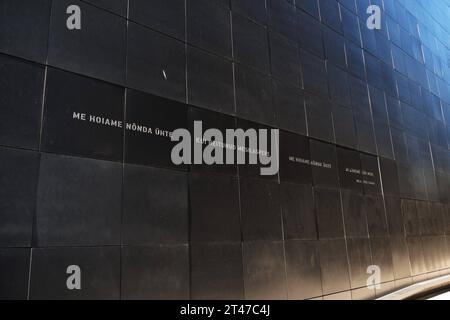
pixel 444 296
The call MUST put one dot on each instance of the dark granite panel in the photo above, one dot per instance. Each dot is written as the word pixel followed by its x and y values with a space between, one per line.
pixel 260 210
pixel 355 217
pixel 151 121
pixel 161 72
pixel 98 49
pixel 208 26
pixel 329 214
pixel 67 214
pixel 289 104
pixel 295 163
pixel 210 81
pixel 360 258
pixel 216 271
pixel 324 164
pixel 250 43
pixel 155 273
pixel 21 87
pixel 17 19
pixel 54 273
pixel 254 10
pixel 18 180
pixel 303 270
pixel 284 59
pixel 117 6
pixel 83 117
pixel 155 206
pixel 264 271
pixel 254 95
pixel 210 222
pixel 165 16
pixel 334 266
pixel 14 273
pixel 299 218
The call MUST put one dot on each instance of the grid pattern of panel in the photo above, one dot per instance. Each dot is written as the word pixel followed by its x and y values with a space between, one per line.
pixel 364 148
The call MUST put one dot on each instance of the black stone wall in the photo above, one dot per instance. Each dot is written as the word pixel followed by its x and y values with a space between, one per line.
pixel 374 105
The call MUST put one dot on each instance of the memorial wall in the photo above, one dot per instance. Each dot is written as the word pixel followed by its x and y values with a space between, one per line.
pixel 92 205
